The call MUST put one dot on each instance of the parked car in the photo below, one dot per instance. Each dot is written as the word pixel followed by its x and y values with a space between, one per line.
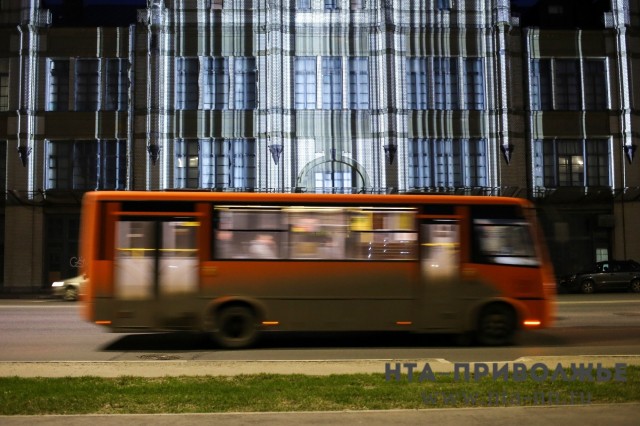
pixel 608 275
pixel 68 289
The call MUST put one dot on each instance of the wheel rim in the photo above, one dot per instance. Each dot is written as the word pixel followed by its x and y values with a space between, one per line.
pixel 70 294
pixel 587 287
pixel 635 286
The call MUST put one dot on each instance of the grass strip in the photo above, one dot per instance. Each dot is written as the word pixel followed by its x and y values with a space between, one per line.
pixel 269 392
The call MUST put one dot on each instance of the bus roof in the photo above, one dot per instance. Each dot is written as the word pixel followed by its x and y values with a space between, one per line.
pixel 209 196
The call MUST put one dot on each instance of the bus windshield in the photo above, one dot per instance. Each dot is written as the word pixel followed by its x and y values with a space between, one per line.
pixel 505 241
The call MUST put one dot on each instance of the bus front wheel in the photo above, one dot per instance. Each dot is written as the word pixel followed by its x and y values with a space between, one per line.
pixel 496 325
pixel 236 327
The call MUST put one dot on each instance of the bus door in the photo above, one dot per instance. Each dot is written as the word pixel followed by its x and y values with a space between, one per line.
pixel 156 259
pixel 439 273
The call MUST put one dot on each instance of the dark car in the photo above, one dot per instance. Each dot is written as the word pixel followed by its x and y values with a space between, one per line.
pixel 608 275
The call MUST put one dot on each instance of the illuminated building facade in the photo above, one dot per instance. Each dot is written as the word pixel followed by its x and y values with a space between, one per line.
pixel 456 96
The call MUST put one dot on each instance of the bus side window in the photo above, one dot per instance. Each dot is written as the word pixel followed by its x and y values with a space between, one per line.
pixel 315 234
pixel 223 244
pixel 263 246
pixel 383 235
pixel 246 233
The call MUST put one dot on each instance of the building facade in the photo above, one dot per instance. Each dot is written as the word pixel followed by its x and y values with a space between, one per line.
pixel 486 97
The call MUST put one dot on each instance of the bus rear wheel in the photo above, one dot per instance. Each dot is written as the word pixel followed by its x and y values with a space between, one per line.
pixel 236 327
pixel 496 325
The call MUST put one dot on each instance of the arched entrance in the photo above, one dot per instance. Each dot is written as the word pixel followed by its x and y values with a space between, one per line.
pixel 342 176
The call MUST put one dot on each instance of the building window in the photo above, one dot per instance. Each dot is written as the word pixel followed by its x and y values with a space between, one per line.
pixel 305 82
pixel 217 77
pixel 445 83
pixel 438 83
pixel 567 84
pixel 245 83
pixel 187 164
pixel 570 167
pixel 444 5
pixel 58 85
pixel 598 159
pixel 474 79
pixel 475 162
pixel 87 84
pixel 561 162
pixel 356 4
pixel 447 163
pixel 243 163
pixel 595 85
pixel 215 160
pixel 417 84
pixel 332 82
pixel 602 254
pixel 186 86
pixel 334 181
pixel 304 5
pixel 330 4
pixel 97 85
pixel 556 84
pixel 215 93
pixel 112 164
pixel 359 83
pixel 4 91
pixel 86 165
pixel 116 94
pixel 203 163
pixel 215 163
pixel 541 92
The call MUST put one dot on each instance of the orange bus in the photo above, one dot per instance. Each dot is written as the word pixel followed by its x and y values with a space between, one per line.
pixel 238 264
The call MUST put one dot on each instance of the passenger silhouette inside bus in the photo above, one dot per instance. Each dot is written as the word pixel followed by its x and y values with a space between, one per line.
pixel 263 247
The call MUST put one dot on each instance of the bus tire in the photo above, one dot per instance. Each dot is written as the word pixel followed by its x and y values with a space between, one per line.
pixel 496 325
pixel 236 327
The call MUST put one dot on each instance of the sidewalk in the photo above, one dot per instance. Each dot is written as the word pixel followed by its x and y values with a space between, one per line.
pixel 566 415
pixel 588 415
pixel 169 367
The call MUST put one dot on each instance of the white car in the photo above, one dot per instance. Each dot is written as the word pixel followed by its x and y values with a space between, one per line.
pixel 68 289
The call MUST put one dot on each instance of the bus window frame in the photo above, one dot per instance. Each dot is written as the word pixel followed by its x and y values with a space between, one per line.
pixel 348 210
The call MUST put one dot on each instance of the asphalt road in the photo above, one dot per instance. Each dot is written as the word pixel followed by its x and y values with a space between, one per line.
pixel 49 330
